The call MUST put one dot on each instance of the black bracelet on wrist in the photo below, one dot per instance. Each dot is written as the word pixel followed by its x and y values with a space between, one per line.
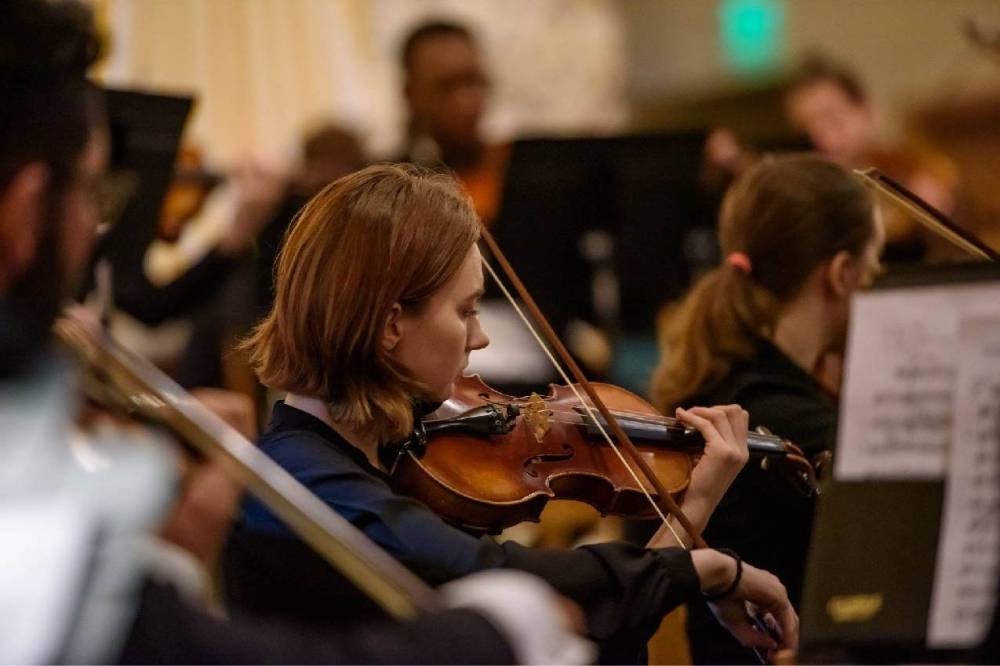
pixel 716 596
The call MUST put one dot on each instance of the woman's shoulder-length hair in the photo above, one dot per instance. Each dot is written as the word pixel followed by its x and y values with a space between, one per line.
pixel 387 234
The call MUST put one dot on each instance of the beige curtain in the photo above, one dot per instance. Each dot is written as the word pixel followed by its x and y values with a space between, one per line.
pixel 263 70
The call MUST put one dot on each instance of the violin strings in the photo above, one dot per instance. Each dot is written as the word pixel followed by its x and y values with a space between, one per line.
pixel 645 417
pixel 582 421
pixel 576 392
pixel 667 422
pixel 573 418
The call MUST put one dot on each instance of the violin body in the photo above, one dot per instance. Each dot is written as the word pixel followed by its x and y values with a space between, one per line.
pixel 488 482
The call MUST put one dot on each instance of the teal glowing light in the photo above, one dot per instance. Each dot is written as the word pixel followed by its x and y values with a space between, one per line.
pixel 752 33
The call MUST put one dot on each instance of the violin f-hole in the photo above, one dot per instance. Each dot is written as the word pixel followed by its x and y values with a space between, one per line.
pixel 529 464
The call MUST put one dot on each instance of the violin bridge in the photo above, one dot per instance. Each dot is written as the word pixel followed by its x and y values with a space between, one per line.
pixel 537 416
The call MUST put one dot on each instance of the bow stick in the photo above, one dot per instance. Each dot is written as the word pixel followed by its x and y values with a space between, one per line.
pixel 669 505
pixel 926 214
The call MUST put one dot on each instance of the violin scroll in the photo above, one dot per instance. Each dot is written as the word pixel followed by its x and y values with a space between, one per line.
pixel 793 466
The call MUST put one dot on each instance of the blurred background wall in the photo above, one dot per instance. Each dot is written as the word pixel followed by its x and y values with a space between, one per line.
pixel 265 69
pixel 907 51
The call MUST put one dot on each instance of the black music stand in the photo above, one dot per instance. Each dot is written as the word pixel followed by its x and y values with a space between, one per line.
pixel 146 131
pixel 643 190
pixel 145 136
pixel 644 193
pixel 870 576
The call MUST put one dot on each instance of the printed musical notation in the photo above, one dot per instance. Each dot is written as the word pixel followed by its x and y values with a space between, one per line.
pixel 965 583
pixel 898 402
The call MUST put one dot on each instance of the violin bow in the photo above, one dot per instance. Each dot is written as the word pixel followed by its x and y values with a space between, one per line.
pixel 151 395
pixel 925 214
pixel 669 506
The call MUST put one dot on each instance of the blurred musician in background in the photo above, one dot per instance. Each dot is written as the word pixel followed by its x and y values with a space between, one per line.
pixel 446 89
pixel 831 106
pixel 255 205
pixel 216 273
pixel 247 202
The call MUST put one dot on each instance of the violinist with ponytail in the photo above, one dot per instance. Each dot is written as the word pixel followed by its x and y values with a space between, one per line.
pixel 799 235
pixel 374 318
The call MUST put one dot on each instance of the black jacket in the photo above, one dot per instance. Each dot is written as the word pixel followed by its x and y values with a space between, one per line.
pixel 762 517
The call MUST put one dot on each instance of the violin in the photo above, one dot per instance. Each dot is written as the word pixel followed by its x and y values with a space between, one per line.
pixel 487 460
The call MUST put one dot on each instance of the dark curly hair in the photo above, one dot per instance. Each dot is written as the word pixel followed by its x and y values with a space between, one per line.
pixel 48 114
pixel 429 30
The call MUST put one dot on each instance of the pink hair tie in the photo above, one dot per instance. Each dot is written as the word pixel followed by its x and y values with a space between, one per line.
pixel 740 261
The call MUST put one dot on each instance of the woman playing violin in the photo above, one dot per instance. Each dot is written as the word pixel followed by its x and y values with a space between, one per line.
pixel 799 236
pixel 375 316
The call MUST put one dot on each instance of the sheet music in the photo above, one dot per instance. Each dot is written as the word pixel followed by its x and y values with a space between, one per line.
pixel 965 583
pixel 897 404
